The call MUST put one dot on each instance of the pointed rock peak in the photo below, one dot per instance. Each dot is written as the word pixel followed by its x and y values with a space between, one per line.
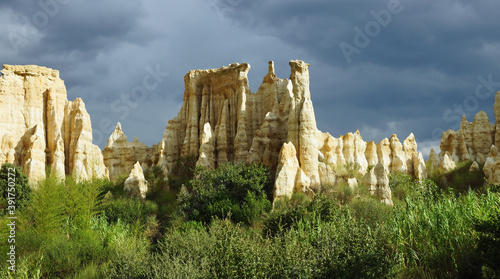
pixel 493 151
pixel 117 135
pixel 118 127
pixel 271 76
pixel 432 153
pixel 481 116
pixel 411 137
pixel 394 138
pixel 137 167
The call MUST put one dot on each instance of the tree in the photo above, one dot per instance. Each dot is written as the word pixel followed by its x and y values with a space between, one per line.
pixel 235 191
pixel 16 177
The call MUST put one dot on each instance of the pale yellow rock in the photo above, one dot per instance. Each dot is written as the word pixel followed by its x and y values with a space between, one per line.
pixel 136 184
pixel 489 163
pixel 447 164
pixel 410 151
pixel 398 160
pixel 359 153
pixel 327 176
pixel 371 153
pixel 34 165
pixel 377 182
pixel 482 136
pixel 495 177
pixel 352 183
pixel 303 183
pixel 308 156
pixel 474 167
pixel 206 158
pixel 120 155
pixel 286 174
pixel 384 153
pixel 85 159
pixel 433 162
pixel 39 127
pixel 419 166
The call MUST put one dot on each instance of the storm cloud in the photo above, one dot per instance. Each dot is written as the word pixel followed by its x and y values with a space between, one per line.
pixel 383 66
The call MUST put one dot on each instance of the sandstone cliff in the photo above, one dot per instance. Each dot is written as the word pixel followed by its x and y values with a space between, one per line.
pixel 39 127
pixel 222 121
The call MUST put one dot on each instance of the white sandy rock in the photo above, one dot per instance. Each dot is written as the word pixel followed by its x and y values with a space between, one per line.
pixel 136 184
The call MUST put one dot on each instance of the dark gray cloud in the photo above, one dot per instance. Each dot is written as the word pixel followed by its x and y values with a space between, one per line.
pixel 419 73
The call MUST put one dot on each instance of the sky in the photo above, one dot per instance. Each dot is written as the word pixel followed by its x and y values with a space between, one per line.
pixel 381 66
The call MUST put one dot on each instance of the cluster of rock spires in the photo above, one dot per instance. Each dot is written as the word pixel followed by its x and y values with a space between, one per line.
pixel 476 141
pixel 220 121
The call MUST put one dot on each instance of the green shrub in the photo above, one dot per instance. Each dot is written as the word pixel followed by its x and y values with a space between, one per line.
pixel 48 206
pixel 238 191
pixel 23 193
pixel 488 227
pixel 182 172
pixel 128 210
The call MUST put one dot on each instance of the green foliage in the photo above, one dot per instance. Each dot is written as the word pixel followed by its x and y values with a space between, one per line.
pixel 23 192
pixel 488 227
pixel 341 248
pixel 347 170
pixel 47 209
pixel 435 234
pixel 182 172
pixel 157 182
pixel 128 210
pixel 459 179
pixel 238 191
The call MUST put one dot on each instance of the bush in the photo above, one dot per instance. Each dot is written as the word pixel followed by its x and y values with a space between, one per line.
pixel 488 228
pixel 128 210
pixel 238 191
pixel 23 192
pixel 182 172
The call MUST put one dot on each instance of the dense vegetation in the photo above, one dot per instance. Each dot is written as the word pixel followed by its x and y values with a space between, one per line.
pixel 220 223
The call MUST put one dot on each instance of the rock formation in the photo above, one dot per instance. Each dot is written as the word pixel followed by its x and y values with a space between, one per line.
pixel 121 155
pixel 39 127
pixel 477 141
pixel 136 184
pixel 378 182
pixel 222 121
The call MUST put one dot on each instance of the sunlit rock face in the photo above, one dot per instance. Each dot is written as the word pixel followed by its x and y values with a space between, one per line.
pixel 39 127
pixel 222 121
